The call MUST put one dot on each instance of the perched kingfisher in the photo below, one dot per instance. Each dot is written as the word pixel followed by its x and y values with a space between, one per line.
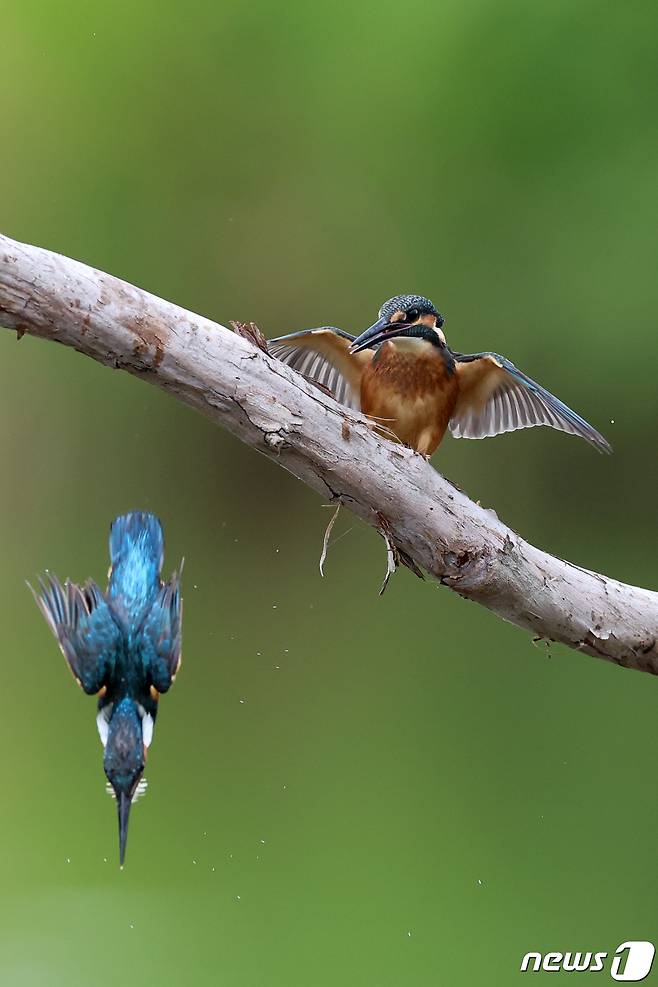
pixel 401 373
pixel 123 645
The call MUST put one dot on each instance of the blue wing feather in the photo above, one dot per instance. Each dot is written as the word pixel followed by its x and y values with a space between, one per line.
pixel 82 622
pixel 160 637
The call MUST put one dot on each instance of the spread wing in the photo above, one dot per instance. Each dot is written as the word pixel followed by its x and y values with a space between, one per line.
pixel 161 638
pixel 495 397
pixel 82 622
pixel 322 355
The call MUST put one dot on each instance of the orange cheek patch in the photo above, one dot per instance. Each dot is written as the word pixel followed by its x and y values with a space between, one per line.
pixel 155 695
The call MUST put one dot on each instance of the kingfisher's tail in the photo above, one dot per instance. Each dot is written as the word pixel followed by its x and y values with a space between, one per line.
pixel 137 554
pixel 139 532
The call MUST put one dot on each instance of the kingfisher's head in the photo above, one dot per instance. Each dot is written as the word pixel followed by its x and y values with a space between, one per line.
pixel 124 761
pixel 403 316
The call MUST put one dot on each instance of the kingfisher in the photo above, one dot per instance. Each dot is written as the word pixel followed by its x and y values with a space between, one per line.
pixel 403 375
pixel 123 646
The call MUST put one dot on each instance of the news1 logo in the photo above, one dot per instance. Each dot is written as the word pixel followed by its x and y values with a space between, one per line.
pixel 631 962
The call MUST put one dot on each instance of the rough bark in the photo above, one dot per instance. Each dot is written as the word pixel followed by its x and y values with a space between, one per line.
pixel 423 517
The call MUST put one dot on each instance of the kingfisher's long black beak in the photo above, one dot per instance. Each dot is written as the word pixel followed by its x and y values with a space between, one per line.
pixel 123 806
pixel 378 333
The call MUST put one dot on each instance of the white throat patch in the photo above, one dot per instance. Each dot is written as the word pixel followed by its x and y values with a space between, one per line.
pixel 103 723
pixel 147 729
pixel 413 345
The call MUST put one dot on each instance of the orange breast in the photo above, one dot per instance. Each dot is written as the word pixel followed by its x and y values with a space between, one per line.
pixel 411 395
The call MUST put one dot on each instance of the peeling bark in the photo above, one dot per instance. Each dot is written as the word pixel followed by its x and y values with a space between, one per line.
pixel 429 523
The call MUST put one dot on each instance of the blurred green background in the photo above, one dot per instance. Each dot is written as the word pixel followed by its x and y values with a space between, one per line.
pixel 343 789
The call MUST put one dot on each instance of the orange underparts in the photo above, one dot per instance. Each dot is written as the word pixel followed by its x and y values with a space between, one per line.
pixel 411 395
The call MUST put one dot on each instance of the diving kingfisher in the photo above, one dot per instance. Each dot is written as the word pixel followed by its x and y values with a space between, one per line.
pixel 402 374
pixel 123 646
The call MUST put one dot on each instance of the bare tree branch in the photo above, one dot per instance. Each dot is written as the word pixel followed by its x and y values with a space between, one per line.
pixel 427 521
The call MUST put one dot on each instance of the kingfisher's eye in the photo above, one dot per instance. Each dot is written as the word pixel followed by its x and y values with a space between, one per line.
pixel 412 314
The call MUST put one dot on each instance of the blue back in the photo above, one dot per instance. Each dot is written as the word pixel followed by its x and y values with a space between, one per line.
pixel 136 553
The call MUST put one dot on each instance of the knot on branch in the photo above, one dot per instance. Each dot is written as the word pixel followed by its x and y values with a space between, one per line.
pixel 276 439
